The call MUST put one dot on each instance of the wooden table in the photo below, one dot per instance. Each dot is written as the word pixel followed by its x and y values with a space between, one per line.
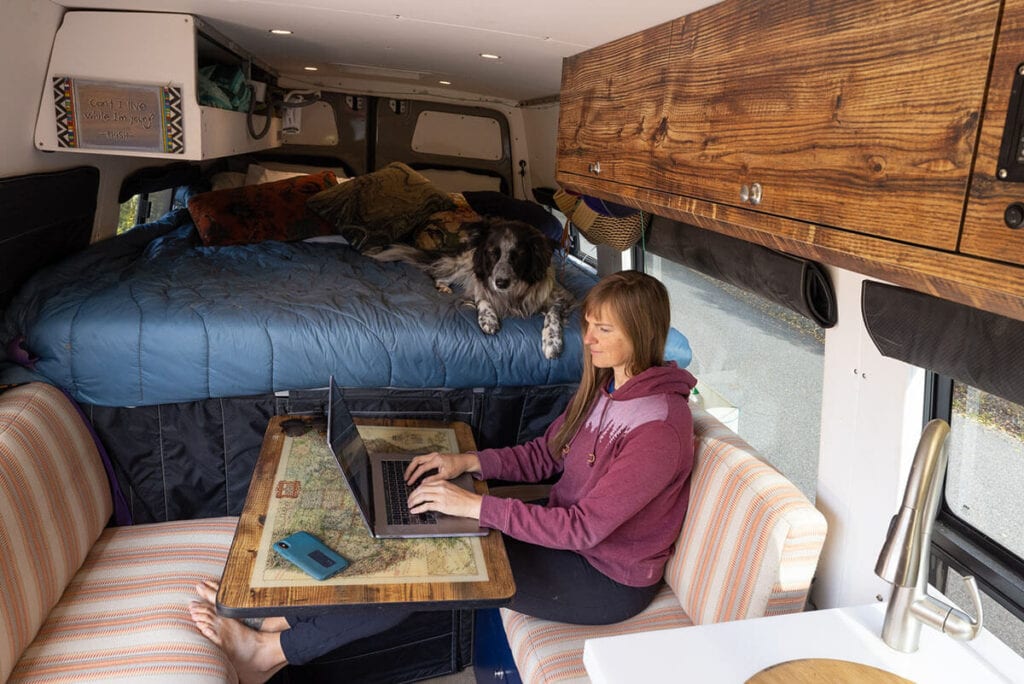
pixel 238 597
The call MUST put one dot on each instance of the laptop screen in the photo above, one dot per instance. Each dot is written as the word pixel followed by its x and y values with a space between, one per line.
pixel 350 451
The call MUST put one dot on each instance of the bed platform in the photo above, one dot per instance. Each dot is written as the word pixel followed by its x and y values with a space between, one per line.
pixel 154 317
pixel 179 352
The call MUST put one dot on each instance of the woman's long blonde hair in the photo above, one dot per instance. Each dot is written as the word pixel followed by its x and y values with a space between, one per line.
pixel 639 304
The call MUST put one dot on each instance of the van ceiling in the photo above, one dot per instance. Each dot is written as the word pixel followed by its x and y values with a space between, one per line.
pixel 421 42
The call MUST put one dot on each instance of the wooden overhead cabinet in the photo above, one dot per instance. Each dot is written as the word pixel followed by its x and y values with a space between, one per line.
pixel 612 113
pixel 994 225
pixel 844 131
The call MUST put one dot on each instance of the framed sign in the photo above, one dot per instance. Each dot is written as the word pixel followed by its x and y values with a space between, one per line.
pixel 109 115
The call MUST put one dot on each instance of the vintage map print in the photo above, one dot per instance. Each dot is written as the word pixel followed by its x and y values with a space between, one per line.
pixel 309 494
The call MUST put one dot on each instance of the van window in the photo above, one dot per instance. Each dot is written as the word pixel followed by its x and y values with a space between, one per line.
pixel 143 208
pixel 578 245
pixel 981 518
pixel 759 366
pixel 986 465
pixel 458 135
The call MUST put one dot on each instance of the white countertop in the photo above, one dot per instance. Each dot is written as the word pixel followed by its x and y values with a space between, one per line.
pixel 732 652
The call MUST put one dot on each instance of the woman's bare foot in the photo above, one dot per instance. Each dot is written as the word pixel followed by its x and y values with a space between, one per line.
pixel 208 591
pixel 256 655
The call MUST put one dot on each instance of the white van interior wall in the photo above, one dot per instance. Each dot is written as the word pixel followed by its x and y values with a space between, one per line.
pixel 27 31
pixel 541 127
pixel 866 456
pixel 524 127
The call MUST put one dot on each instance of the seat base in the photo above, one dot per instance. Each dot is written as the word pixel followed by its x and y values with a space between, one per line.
pixel 124 615
pixel 547 651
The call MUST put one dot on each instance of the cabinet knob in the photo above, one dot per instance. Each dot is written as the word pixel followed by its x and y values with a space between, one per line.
pixel 1014 215
pixel 755 194
pixel 594 167
pixel 751 193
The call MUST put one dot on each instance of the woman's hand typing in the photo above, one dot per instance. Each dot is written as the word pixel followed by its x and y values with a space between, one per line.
pixel 434 492
pixel 448 467
pixel 444 497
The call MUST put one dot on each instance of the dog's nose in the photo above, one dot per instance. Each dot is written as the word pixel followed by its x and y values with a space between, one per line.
pixel 501 283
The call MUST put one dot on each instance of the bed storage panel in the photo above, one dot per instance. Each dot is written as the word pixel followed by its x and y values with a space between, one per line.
pixel 195 459
pixel 180 347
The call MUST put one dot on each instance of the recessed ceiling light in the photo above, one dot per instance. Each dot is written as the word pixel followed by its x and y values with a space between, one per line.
pixel 311 68
pixel 281 32
pixel 445 82
pixel 488 55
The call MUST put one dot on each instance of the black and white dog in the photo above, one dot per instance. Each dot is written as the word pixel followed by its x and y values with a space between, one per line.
pixel 505 269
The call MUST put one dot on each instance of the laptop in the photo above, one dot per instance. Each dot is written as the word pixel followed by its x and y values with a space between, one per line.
pixel 377 483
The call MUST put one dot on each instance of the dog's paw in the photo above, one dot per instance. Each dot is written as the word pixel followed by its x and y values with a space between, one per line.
pixel 551 336
pixel 442 287
pixel 487 318
pixel 552 348
pixel 489 324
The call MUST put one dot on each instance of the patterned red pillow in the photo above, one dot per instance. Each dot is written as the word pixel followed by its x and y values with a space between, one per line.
pixel 253 213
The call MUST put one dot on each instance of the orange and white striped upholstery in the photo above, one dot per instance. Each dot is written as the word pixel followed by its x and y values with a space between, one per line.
pixel 748 548
pixel 81 602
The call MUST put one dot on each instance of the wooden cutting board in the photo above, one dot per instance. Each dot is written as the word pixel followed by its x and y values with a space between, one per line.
pixel 822 670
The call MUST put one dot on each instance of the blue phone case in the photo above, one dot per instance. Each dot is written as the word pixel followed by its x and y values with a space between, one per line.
pixel 311 555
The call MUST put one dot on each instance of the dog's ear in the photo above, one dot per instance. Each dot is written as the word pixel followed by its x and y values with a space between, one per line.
pixel 474 234
pixel 536 257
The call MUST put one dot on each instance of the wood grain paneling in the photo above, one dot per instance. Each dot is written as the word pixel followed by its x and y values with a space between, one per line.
pixel 985 232
pixel 976 282
pixel 612 108
pixel 857 114
pixel 862 121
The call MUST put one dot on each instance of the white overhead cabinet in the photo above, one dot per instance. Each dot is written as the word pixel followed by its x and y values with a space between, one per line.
pixel 126 83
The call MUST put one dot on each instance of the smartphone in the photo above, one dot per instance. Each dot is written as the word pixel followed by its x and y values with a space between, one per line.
pixel 311 555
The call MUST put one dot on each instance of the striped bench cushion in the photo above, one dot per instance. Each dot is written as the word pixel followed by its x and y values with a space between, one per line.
pixel 748 548
pixel 124 616
pixel 54 502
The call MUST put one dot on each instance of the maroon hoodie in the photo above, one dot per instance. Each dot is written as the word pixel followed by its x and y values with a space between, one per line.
pixel 622 496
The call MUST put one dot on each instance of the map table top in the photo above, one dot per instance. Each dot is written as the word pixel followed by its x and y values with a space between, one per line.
pixel 297 485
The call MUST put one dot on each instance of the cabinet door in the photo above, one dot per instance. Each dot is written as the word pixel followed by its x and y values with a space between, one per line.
pixel 989 230
pixel 856 114
pixel 612 103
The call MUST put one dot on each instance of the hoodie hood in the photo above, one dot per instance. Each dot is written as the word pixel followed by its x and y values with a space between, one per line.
pixel 667 379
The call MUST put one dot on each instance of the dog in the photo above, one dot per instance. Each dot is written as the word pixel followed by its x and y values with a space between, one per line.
pixel 504 267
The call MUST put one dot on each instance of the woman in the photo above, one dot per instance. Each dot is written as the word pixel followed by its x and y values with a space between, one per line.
pixel 594 553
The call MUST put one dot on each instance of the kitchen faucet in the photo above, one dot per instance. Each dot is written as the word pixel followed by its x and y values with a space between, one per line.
pixel 903 561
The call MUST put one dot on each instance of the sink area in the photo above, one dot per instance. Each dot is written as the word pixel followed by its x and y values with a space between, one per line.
pixel 735 651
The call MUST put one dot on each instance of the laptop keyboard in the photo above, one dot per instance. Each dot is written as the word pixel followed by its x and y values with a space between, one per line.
pixel 398 496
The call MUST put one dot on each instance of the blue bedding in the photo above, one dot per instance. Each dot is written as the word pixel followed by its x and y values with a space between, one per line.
pixel 154 317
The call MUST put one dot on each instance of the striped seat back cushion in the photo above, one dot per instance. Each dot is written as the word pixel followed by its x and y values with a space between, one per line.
pixel 54 503
pixel 751 540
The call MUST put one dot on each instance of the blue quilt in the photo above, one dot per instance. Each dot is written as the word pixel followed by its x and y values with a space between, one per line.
pixel 154 317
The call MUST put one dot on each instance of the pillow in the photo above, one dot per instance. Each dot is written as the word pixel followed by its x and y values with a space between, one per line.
pixel 339 171
pixel 258 175
pixel 227 179
pixel 268 172
pixel 489 203
pixel 451 180
pixel 382 207
pixel 253 213
pixel 443 230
